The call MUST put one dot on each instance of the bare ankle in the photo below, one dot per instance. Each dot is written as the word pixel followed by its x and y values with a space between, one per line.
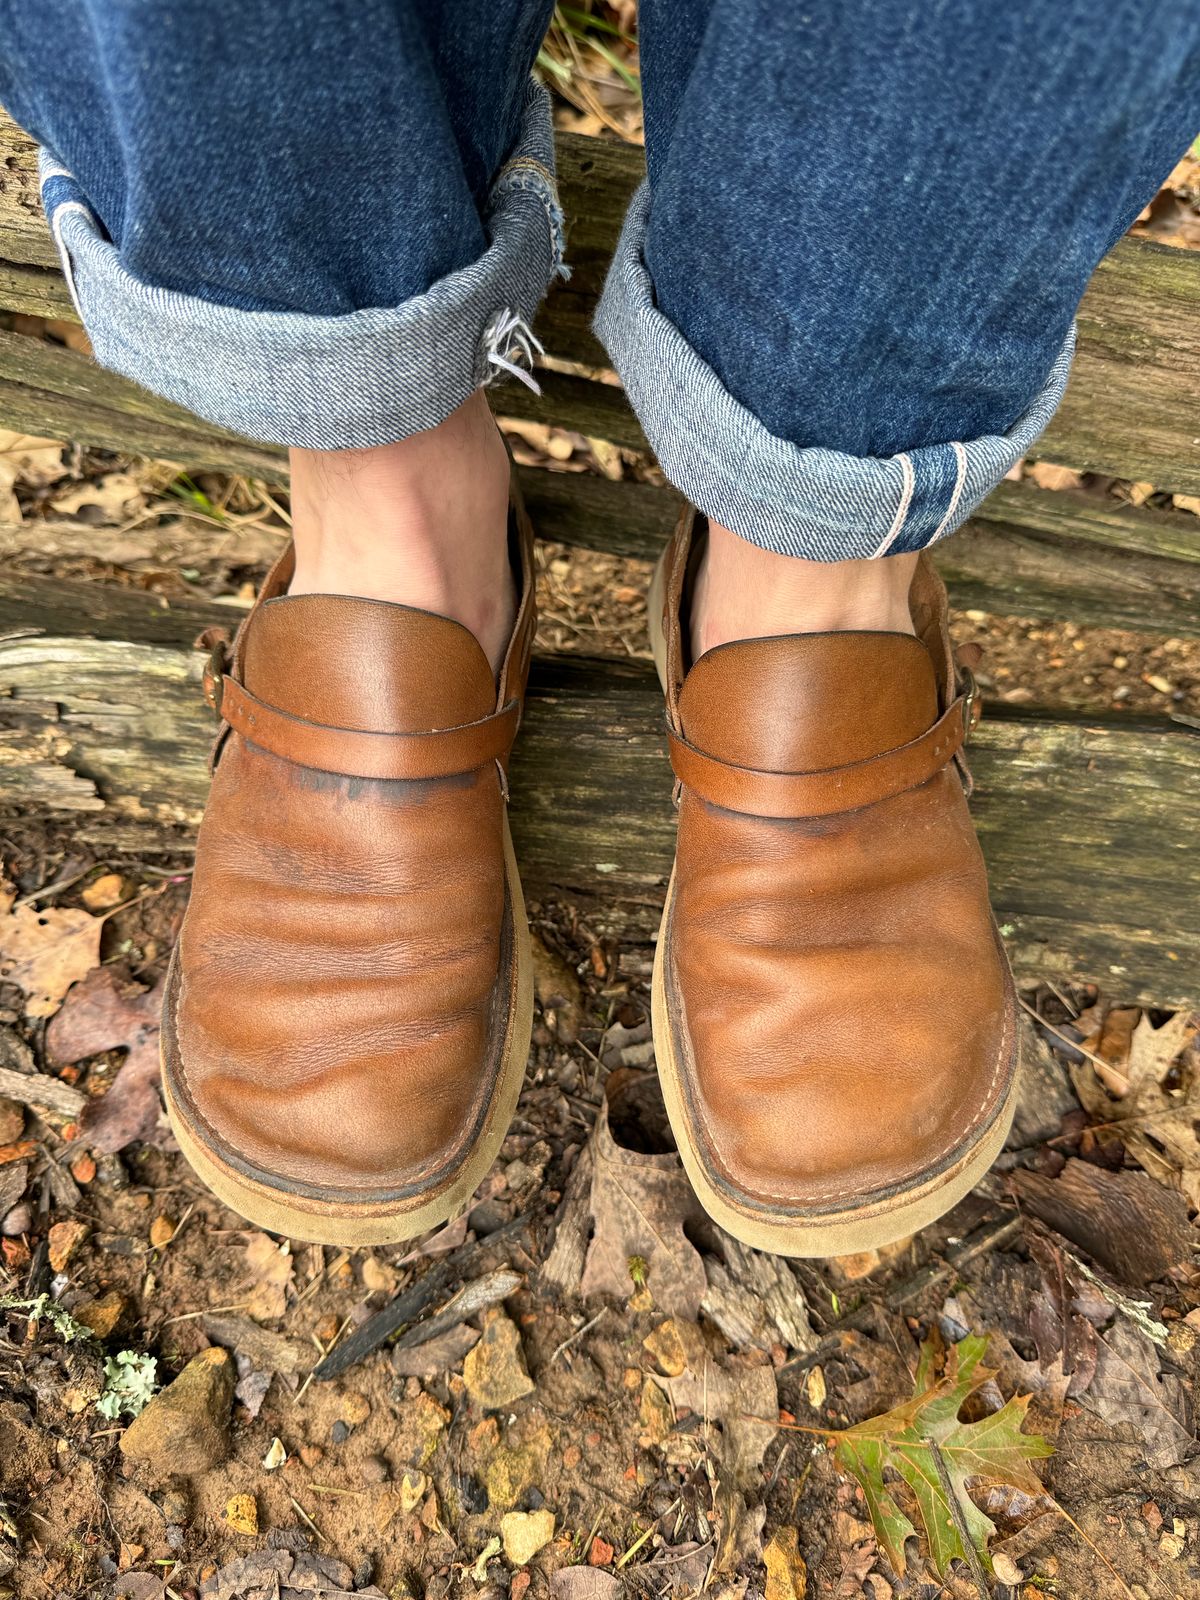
pixel 423 522
pixel 744 592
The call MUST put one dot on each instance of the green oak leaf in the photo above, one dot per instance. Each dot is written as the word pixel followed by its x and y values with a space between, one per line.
pixel 903 1441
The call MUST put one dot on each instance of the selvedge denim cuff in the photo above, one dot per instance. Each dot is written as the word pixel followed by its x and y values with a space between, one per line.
pixel 328 382
pixel 821 504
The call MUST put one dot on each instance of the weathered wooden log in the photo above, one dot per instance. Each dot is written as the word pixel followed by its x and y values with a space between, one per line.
pixel 1130 409
pixel 1089 827
pixel 1014 559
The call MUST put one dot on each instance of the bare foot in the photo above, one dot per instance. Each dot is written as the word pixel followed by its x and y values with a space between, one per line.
pixel 743 592
pixel 423 522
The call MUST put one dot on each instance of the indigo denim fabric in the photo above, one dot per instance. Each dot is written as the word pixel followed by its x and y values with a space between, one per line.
pixel 842 307
pixel 842 304
pixel 316 222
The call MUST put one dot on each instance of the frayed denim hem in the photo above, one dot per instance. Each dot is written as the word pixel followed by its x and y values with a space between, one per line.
pixel 329 382
pixel 821 504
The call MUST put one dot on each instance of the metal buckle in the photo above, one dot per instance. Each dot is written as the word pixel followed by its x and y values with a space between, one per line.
pixel 212 679
pixel 970 700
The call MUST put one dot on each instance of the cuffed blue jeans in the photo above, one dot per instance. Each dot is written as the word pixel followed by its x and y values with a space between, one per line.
pixel 842 304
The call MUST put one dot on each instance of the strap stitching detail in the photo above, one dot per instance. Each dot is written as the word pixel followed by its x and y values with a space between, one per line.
pixel 243 705
pixel 939 752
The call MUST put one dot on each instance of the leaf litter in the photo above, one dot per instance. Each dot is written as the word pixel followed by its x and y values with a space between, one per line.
pixel 103 1012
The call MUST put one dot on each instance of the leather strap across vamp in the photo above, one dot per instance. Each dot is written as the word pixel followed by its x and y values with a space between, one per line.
pixel 834 1017
pixel 349 1004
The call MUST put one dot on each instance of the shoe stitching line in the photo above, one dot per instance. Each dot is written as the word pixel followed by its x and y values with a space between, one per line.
pixel 843 1194
pixel 442 1162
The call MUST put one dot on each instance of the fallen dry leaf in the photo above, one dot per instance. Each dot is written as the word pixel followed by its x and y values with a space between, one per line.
pixel 443 1353
pixel 45 952
pixel 1128 1386
pixel 1157 1116
pixel 104 893
pixel 271 1268
pixel 1047 476
pixel 115 497
pixel 29 461
pixel 742 1400
pixel 1060 1330
pixel 583 1583
pixel 640 1204
pixel 102 1013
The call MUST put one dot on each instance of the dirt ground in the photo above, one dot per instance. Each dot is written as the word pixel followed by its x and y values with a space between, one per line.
pixel 403 1470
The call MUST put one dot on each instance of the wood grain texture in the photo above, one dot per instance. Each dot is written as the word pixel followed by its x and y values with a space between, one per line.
pixel 1089 828
pixel 997 564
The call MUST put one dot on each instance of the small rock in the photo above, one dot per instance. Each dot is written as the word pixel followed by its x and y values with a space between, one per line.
pixel 185 1429
pixel 275 1456
pixel 1171 1546
pixel 103 893
pixel 175 1506
pixel 487 1216
pixel 241 1514
pixel 1006 1569
pixel 525 1533
pixel 83 1168
pixel 65 1239
pixel 12 1120
pixel 18 1221
pixel 101 1315
pixel 601 1553
pixel 655 1413
pixel 340 1431
pixel 414 1486
pixel 814 1388
pixel 374 1470
pixel 674 1346
pixel 355 1408
pixel 787 1575
pixel 311 1454
pixel 494 1371
pixel 162 1231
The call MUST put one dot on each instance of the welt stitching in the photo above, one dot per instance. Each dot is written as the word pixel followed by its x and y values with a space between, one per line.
pixel 844 1194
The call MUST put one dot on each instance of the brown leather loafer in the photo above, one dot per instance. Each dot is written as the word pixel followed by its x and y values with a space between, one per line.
pixel 349 1004
pixel 834 1017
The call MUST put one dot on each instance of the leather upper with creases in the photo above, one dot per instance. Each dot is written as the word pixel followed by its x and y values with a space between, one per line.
pixel 842 1011
pixel 343 981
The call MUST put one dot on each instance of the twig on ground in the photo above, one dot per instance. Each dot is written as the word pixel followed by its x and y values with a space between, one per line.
pixel 411 1302
pixel 577 1335
pixel 472 1298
